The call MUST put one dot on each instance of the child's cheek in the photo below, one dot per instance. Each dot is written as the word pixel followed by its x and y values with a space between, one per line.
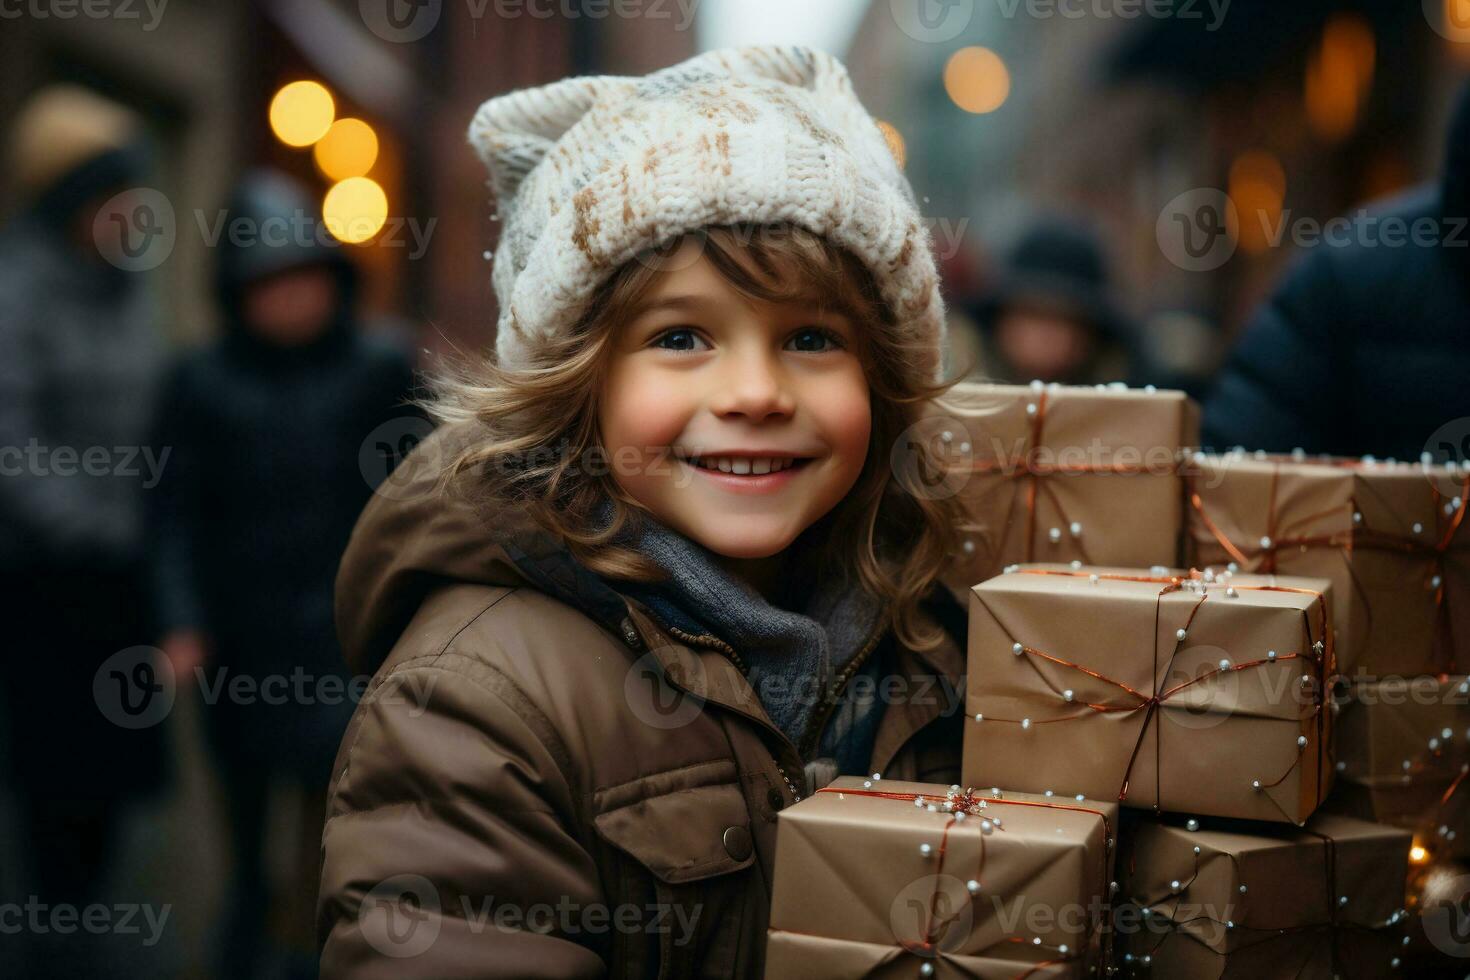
pixel 642 416
pixel 846 415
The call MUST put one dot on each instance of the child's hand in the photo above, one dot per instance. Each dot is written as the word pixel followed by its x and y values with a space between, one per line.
pixel 186 649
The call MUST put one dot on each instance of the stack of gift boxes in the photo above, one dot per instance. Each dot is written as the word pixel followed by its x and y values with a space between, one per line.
pixel 1216 716
pixel 1392 539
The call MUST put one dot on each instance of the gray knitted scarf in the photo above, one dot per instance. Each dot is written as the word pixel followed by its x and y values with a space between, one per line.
pixel 791 657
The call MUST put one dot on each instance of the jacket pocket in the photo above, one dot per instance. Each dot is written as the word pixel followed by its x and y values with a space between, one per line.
pixel 693 846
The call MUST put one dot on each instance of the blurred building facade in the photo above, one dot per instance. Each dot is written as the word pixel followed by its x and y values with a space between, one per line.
pixel 1301 110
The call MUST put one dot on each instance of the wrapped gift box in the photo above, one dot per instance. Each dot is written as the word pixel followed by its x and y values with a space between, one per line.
pixel 1403 758
pixel 1205 895
pixel 819 958
pixel 1161 691
pixel 1052 473
pixel 880 878
pixel 1392 538
pixel 1290 956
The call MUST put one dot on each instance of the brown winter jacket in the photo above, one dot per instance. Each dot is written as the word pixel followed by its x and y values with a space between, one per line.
pixel 542 780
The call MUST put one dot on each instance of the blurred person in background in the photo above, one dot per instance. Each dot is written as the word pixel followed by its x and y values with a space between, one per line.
pixel 1052 316
pixel 1365 347
pixel 267 426
pixel 80 355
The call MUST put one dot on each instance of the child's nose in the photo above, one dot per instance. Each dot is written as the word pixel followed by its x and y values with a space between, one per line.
pixel 753 386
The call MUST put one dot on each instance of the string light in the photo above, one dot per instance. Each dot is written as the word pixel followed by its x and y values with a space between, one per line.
pixel 301 113
pixel 349 149
pixel 355 209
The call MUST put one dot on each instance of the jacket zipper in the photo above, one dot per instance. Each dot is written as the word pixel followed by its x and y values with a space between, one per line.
pixel 707 640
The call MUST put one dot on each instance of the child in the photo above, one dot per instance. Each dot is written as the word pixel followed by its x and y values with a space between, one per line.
pixel 662 573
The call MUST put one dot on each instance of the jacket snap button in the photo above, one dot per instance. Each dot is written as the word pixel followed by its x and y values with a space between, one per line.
pixel 775 799
pixel 737 843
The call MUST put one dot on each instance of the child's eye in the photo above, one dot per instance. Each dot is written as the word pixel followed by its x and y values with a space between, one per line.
pixel 683 338
pixel 817 335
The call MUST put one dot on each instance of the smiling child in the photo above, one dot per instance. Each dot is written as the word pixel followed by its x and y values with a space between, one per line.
pixel 662 571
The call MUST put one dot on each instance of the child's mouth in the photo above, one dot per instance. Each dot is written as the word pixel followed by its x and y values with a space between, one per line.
pixel 747 474
pixel 744 466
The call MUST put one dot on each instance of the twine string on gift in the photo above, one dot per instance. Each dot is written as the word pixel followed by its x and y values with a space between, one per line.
pixel 961 804
pixel 1435 760
pixel 1264 556
pixel 1332 922
pixel 1030 467
pixel 1321 656
pixel 1298 535
pixel 1437 554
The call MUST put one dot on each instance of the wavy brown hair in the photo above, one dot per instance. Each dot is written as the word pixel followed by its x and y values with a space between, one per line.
pixel 537 436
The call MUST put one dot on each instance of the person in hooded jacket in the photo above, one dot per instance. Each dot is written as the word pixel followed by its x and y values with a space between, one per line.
pixel 1052 315
pixel 274 430
pixel 80 358
pixel 1365 347
pixel 661 574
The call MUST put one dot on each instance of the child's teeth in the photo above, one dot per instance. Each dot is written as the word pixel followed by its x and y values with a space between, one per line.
pixel 744 465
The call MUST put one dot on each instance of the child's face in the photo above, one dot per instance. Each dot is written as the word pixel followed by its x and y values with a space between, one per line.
pixel 699 369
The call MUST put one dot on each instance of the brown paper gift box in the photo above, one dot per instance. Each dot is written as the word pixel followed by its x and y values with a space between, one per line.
pixel 854 890
pixel 817 958
pixel 1078 682
pixel 1218 891
pixel 1393 539
pixel 1403 748
pixel 1053 473
pixel 1291 956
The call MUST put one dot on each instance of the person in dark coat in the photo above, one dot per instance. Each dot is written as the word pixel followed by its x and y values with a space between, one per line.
pixel 80 357
pixel 1052 316
pixel 1365 347
pixel 274 430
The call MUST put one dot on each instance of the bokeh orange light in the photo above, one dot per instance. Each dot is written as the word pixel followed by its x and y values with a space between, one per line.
pixel 301 113
pixel 349 149
pixel 977 80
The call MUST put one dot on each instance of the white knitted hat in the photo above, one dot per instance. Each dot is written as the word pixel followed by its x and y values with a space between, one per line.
pixel 589 171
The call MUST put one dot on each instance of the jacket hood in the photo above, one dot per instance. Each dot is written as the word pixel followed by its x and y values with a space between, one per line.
pixel 270 226
pixel 412 539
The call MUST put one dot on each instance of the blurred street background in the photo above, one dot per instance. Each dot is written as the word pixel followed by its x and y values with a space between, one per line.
pixel 1116 188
